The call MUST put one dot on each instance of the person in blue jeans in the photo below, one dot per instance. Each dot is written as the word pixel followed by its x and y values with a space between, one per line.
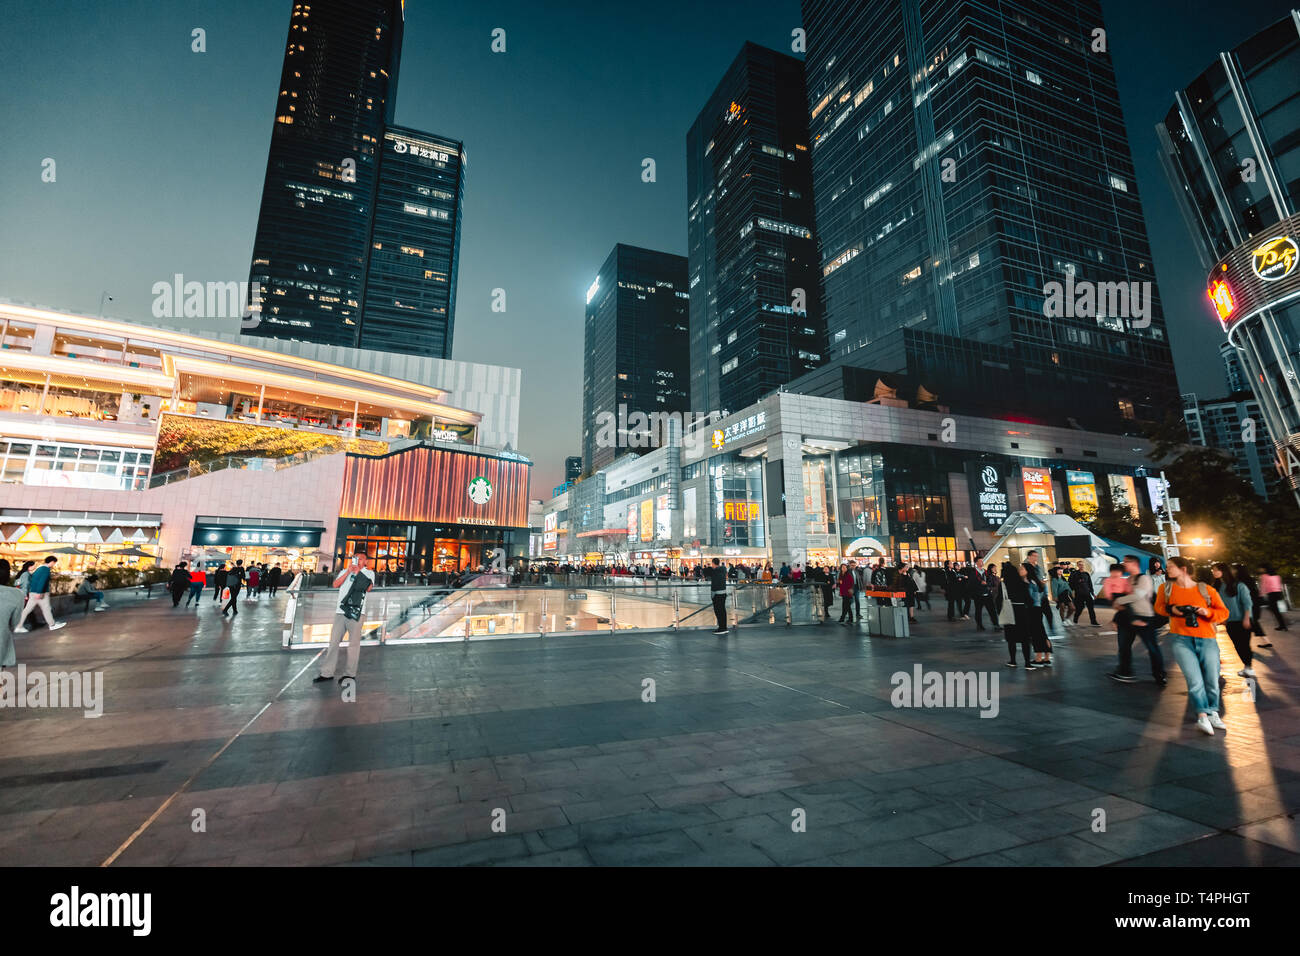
pixel 1194 611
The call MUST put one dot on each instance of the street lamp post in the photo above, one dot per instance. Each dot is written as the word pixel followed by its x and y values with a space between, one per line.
pixel 1169 545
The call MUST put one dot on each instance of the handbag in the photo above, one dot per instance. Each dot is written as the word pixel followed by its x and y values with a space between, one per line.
pixel 1006 614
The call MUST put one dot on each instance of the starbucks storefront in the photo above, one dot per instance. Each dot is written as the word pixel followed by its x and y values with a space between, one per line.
pixel 430 509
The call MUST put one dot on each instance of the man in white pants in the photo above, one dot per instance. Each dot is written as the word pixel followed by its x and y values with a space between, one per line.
pixel 38 595
pixel 353 583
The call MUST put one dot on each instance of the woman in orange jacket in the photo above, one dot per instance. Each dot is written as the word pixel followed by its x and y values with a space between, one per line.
pixel 1194 611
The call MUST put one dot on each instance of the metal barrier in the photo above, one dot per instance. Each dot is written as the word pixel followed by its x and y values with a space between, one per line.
pixel 423 615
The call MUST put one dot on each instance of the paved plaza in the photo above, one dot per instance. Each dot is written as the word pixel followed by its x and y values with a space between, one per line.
pixel 552 740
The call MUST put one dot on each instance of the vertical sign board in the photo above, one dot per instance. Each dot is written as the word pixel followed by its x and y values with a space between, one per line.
pixel 1039 499
pixel 990 504
pixel 1082 490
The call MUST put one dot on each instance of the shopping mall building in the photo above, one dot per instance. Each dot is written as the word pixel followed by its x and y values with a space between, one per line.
pixel 804 479
pixel 118 436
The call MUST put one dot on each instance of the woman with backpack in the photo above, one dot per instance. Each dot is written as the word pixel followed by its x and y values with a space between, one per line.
pixel 1194 610
pixel 1243 576
pixel 1236 598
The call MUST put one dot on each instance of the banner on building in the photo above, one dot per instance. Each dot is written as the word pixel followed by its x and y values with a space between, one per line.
pixel 1039 499
pixel 1123 493
pixel 989 502
pixel 1081 487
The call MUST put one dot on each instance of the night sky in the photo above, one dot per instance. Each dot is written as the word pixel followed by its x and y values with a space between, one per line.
pixel 161 154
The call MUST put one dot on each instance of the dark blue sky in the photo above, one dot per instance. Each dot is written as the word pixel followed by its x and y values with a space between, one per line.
pixel 161 154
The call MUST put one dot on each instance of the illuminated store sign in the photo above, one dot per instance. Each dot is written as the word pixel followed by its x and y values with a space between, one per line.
pixel 1221 296
pixel 480 490
pixel 1081 486
pixel 1274 259
pixel 424 152
pixel 1257 275
pixel 741 429
pixel 740 511
pixel 1039 499
pixel 245 536
pixel 988 494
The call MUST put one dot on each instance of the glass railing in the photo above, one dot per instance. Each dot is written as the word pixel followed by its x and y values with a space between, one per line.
pixel 243 463
pixel 424 614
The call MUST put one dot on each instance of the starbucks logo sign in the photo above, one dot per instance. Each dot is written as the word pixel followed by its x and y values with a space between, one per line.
pixel 480 490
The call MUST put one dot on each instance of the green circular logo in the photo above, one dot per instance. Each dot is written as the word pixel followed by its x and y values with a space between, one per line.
pixel 480 490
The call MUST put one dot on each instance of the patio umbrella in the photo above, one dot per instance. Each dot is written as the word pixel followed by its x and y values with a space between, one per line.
pixel 132 552
pixel 277 553
pixel 69 549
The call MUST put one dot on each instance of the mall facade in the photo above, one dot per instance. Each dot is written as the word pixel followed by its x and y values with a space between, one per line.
pixel 125 443
pixel 806 479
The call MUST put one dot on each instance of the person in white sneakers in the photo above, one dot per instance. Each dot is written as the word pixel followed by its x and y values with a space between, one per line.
pixel 353 582
pixel 38 595
pixel 87 590
pixel 1236 598
pixel 1194 611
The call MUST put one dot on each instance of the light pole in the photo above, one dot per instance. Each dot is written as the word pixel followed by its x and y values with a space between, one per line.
pixel 1169 545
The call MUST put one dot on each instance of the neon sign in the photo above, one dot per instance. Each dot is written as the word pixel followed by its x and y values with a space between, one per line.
pixel 1221 296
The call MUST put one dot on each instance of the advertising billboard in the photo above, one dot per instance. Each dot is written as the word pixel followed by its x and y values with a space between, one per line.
pixel 1039 499
pixel 663 519
pixel 1081 486
pixel 631 522
pixel 989 502
pixel 1156 492
pixel 1123 493
pixel 647 519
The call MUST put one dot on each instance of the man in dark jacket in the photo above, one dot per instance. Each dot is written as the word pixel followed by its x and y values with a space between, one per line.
pixel 718 589
pixel 180 583
pixel 952 590
pixel 218 581
pixel 234 581
pixel 273 579
pixel 1081 585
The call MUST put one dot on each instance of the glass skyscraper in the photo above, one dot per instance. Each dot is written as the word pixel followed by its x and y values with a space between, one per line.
pixel 337 90
pixel 358 234
pixel 410 296
pixel 1231 147
pixel 972 178
pixel 756 318
pixel 637 354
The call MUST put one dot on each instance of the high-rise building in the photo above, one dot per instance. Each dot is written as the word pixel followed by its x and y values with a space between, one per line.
pixel 1234 425
pixel 756 320
pixel 1233 373
pixel 637 354
pixel 358 237
pixel 977 209
pixel 337 89
pixel 573 468
pixel 1231 146
pixel 410 296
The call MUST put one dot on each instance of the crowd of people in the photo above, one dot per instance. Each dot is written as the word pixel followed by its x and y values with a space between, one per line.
pixel 1030 602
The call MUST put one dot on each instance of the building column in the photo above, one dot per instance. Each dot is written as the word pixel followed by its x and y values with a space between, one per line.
pixel 261 397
